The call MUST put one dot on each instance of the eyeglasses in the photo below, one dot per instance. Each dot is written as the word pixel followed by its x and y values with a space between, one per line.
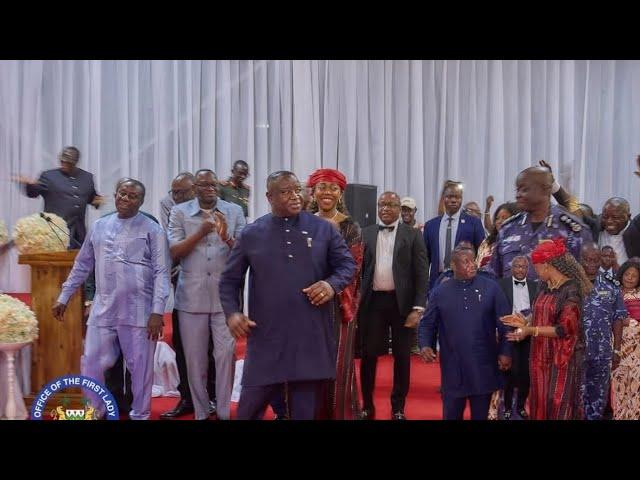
pixel 207 186
pixel 130 196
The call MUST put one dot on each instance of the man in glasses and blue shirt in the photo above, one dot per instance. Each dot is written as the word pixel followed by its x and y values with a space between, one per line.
pixel 202 232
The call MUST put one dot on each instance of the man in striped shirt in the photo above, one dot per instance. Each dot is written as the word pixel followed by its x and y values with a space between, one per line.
pixel 130 255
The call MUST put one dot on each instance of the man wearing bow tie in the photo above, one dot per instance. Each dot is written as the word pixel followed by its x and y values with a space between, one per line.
pixel 520 295
pixel 394 291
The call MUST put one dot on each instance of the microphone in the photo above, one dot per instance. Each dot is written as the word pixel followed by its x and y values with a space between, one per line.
pixel 51 222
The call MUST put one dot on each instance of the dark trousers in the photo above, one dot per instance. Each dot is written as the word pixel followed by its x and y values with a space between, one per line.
pixel 279 403
pixel 518 376
pixel 183 386
pixel 304 400
pixel 453 407
pixel 382 314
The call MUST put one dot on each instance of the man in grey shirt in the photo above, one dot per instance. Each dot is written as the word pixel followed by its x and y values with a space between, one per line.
pixel 66 191
pixel 201 234
pixel 182 190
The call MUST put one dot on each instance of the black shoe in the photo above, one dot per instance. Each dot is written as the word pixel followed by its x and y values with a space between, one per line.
pixel 398 416
pixel 281 417
pixel 523 413
pixel 507 415
pixel 368 414
pixel 212 407
pixel 183 408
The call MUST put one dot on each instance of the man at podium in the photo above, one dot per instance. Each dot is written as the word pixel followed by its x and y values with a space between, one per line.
pixel 130 255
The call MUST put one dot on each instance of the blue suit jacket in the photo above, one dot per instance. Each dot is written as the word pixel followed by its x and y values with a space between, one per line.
pixel 469 229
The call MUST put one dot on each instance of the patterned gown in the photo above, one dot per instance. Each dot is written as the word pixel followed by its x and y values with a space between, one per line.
pixel 556 363
pixel 342 395
pixel 625 382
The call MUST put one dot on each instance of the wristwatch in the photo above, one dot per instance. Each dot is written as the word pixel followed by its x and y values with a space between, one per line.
pixel 88 303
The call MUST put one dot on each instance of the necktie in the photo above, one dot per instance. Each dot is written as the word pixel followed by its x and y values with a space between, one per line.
pixel 522 284
pixel 447 244
pixel 386 227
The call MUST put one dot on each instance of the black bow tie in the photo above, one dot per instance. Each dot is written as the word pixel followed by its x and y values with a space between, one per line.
pixel 519 283
pixel 385 227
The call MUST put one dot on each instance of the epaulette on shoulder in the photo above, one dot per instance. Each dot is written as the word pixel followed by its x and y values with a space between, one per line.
pixel 570 222
pixel 513 218
pixel 612 279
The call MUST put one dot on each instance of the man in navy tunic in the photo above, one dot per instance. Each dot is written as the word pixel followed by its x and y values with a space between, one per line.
pixel 465 314
pixel 66 192
pixel 298 262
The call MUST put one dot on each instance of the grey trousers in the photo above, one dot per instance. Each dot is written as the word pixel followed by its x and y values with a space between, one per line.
pixel 195 329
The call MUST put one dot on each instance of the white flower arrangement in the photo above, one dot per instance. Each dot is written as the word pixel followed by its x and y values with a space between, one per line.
pixel 33 234
pixel 18 323
pixel 4 234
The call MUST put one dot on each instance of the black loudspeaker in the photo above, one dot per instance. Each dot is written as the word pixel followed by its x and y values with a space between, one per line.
pixel 362 203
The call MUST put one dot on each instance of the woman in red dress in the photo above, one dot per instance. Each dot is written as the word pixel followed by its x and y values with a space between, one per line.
pixel 328 187
pixel 557 345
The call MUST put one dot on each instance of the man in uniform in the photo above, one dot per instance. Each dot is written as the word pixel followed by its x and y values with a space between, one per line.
pixel 538 220
pixel 602 317
pixel 234 190
pixel 298 263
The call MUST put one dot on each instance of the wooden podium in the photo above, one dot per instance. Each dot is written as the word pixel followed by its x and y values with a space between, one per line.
pixel 59 346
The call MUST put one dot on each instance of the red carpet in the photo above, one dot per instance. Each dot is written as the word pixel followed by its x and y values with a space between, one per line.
pixel 423 402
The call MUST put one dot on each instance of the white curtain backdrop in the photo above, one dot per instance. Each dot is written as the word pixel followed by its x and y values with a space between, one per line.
pixel 401 125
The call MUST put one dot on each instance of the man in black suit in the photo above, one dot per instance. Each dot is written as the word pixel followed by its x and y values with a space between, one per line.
pixel 618 230
pixel 394 291
pixel 520 295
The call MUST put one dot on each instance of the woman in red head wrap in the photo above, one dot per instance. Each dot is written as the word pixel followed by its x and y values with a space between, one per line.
pixel 327 189
pixel 557 345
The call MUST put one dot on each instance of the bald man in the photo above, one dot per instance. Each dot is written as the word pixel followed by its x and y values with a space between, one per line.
pixel 538 220
pixel 618 230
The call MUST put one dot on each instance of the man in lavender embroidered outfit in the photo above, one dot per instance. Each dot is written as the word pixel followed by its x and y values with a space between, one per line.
pixel 130 255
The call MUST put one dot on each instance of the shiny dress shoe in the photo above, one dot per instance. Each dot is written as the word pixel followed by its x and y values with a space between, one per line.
pixel 507 415
pixel 398 416
pixel 368 414
pixel 183 408
pixel 523 414
pixel 212 407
